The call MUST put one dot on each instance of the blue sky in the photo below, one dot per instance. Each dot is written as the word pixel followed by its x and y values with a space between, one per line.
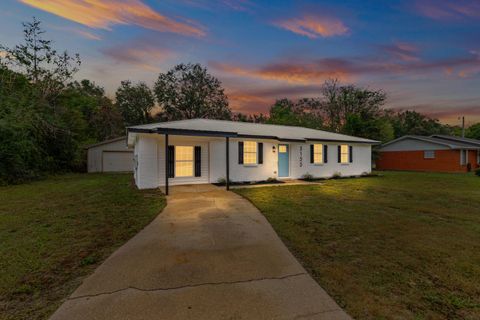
pixel 424 53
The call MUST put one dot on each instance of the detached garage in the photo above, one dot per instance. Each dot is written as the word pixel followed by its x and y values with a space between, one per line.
pixel 110 156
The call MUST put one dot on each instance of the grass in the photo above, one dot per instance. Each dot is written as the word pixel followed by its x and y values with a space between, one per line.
pixel 401 246
pixel 55 232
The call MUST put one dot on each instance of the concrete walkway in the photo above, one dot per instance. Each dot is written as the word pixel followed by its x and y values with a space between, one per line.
pixel 209 255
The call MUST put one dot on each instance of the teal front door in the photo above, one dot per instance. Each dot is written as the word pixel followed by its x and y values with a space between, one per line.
pixel 283 160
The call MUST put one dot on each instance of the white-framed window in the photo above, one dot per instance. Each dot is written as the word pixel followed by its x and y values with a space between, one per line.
pixel 429 154
pixel 318 153
pixel 463 157
pixel 344 153
pixel 249 152
pixel 183 161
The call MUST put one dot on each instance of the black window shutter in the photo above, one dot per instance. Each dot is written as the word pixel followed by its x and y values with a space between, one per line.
pixel 339 154
pixel 311 153
pixel 325 153
pixel 240 152
pixel 198 161
pixel 171 161
pixel 260 152
pixel 350 153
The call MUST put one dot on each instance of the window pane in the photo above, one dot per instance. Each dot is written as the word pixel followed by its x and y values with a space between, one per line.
pixel 184 169
pixel 183 153
pixel 344 158
pixel 183 161
pixel 282 149
pixel 429 154
pixel 250 158
pixel 249 152
pixel 318 153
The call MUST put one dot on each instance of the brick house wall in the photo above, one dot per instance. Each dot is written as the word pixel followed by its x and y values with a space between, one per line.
pixel 473 159
pixel 445 161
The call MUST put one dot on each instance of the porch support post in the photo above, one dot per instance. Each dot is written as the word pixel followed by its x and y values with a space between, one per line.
pixel 166 163
pixel 227 144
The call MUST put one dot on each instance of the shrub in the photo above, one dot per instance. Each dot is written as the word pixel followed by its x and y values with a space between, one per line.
pixel 337 175
pixel 477 172
pixel 308 177
pixel 222 181
pixel 272 180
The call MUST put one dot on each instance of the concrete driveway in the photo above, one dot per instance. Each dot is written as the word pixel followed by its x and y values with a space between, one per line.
pixel 209 255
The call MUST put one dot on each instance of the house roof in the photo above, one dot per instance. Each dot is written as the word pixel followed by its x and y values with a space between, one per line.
pixel 457 139
pixel 106 142
pixel 451 144
pixel 210 127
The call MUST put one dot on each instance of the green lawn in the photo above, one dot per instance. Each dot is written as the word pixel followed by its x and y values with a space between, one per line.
pixel 401 246
pixel 55 232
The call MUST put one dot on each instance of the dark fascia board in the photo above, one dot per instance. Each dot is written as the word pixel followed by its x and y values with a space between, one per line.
pixel 347 141
pixel 141 130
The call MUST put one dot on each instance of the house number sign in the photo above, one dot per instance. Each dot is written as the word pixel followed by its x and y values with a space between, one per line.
pixel 301 157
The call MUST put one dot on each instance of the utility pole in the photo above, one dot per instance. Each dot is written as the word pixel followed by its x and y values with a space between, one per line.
pixel 463 127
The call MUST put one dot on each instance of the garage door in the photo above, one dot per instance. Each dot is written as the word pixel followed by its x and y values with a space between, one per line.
pixel 115 161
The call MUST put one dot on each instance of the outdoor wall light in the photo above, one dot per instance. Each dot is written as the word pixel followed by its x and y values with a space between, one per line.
pixel 273 149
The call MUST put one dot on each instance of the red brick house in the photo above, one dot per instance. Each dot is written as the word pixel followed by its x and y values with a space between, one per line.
pixel 435 153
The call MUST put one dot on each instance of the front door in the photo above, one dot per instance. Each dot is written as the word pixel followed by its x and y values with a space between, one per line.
pixel 283 160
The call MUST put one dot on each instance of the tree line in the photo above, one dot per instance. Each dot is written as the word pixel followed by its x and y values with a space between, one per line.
pixel 47 118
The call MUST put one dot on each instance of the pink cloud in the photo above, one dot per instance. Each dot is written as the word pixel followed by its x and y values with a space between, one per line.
pixel 313 26
pixel 106 13
pixel 403 51
pixel 139 54
pixel 448 9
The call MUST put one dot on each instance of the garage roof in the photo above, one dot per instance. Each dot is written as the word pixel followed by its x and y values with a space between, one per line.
pixel 242 129
pixel 106 142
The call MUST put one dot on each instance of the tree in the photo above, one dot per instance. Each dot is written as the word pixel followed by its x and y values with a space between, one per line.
pixel 379 129
pixel 414 123
pixel 134 103
pixel 254 118
pixel 301 113
pixel 339 102
pixel 188 91
pixel 473 132
pixel 107 122
pixel 42 64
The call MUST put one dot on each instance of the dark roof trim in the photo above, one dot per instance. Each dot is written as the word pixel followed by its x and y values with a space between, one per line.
pixel 106 142
pixel 140 130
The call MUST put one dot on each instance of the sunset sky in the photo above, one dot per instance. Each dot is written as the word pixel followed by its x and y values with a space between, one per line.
pixel 424 53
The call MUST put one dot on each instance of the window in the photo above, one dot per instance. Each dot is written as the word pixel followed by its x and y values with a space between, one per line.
pixel 463 157
pixel 318 153
pixel 183 161
pixel 249 152
pixel 282 149
pixel 429 154
pixel 344 153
